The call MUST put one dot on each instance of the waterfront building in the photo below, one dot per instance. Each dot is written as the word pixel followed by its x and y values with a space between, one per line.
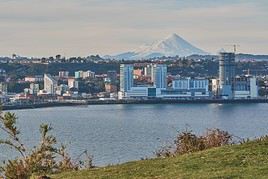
pixel 245 87
pixel 215 87
pixel 50 84
pixel 191 84
pixel 34 88
pixel 181 88
pixel 144 92
pixel 226 74
pixel 138 92
pixel 159 76
pixel 21 98
pixel 61 89
pixel 188 87
pixel 126 77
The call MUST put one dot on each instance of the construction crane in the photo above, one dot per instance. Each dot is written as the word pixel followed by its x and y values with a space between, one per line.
pixel 234 46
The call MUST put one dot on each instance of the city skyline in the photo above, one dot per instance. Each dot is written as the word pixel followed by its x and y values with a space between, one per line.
pixel 81 28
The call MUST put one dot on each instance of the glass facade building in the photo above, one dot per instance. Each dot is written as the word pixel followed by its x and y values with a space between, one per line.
pixel 226 74
pixel 126 77
pixel 159 76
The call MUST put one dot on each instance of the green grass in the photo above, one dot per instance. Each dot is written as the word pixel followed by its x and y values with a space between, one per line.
pixel 248 160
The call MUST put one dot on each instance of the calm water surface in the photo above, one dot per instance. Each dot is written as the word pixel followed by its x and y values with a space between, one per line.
pixel 119 133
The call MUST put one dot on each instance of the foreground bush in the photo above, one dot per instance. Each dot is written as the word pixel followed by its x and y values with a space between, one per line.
pixel 45 158
pixel 188 142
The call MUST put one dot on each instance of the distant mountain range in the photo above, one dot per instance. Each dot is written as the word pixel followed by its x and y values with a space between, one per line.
pixel 173 45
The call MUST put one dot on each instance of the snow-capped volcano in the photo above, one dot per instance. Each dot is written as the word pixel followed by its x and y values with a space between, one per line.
pixel 173 45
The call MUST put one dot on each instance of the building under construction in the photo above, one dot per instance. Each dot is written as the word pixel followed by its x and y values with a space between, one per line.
pixel 226 74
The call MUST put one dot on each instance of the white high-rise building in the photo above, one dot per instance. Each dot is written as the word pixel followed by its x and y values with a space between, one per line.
pixel 126 77
pixel 50 84
pixel 159 76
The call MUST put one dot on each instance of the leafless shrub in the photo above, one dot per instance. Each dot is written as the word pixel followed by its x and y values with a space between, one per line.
pixel 216 138
pixel 188 142
pixel 43 159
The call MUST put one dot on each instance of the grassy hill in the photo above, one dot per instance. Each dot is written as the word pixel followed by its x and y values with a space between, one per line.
pixel 248 160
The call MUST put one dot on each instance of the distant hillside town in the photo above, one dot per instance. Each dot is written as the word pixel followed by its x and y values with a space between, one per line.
pixel 24 81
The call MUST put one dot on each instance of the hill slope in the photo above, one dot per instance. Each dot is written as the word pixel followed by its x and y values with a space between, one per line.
pixel 248 160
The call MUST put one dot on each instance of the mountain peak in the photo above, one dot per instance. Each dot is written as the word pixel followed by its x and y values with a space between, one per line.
pixel 173 36
pixel 173 45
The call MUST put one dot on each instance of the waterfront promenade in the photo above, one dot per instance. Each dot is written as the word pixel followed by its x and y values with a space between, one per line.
pixel 129 101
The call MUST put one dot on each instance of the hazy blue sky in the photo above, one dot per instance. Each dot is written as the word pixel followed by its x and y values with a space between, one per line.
pixel 83 27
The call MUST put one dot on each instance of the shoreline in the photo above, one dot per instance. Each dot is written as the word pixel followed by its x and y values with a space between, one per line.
pixel 133 101
pixel 39 105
